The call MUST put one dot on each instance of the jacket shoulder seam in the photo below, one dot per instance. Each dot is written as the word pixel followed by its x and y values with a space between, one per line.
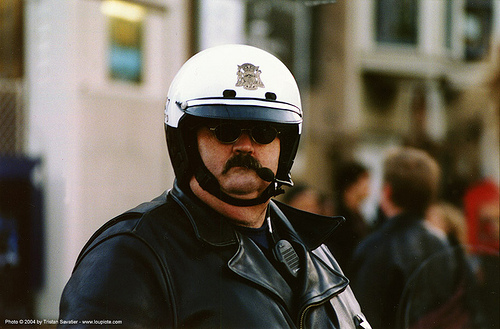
pixel 163 267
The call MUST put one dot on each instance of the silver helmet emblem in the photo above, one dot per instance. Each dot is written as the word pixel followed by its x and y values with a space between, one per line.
pixel 249 77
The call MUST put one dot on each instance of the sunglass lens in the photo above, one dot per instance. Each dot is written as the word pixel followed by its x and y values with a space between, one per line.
pixel 227 132
pixel 264 134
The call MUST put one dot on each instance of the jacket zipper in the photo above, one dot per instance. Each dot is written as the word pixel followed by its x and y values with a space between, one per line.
pixel 303 314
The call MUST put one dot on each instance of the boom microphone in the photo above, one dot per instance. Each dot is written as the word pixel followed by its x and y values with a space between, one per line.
pixel 265 174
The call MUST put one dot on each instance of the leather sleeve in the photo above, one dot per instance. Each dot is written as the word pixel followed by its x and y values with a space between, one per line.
pixel 120 279
pixel 376 277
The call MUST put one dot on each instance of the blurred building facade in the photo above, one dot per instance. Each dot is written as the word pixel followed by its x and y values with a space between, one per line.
pixel 85 95
pixel 93 79
pixel 407 72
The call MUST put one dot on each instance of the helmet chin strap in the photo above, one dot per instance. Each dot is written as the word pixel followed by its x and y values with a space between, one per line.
pixel 209 183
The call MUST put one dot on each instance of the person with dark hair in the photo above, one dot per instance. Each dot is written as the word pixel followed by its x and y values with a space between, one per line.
pixel 215 251
pixel 352 183
pixel 404 275
pixel 307 198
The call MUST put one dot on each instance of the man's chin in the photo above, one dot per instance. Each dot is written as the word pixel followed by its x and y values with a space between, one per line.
pixel 242 183
pixel 249 190
pixel 242 192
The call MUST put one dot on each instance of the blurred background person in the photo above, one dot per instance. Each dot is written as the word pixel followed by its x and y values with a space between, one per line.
pixel 481 204
pixel 403 272
pixel 449 221
pixel 352 183
pixel 307 198
pixel 303 197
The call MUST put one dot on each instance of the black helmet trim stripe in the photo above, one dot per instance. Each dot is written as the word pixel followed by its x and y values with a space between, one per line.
pixel 254 113
pixel 275 104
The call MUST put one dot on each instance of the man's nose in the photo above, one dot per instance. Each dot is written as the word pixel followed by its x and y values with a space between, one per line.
pixel 244 144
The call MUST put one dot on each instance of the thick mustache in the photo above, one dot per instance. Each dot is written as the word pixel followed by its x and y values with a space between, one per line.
pixel 242 160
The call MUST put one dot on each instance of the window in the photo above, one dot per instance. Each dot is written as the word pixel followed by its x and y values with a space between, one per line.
pixel 125 23
pixel 478 21
pixel 11 39
pixel 397 21
pixel 282 28
pixel 449 24
pixel 12 126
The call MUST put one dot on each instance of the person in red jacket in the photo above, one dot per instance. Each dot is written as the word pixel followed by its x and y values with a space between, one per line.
pixel 482 208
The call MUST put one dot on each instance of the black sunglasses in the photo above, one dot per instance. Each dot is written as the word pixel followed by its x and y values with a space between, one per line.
pixel 228 133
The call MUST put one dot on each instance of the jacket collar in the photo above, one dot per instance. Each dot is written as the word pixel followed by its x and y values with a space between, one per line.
pixel 208 225
pixel 310 229
pixel 402 221
pixel 319 281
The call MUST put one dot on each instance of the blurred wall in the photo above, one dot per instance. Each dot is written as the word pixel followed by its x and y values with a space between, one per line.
pixel 101 140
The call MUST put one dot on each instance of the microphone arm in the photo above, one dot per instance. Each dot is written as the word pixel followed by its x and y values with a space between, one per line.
pixel 265 174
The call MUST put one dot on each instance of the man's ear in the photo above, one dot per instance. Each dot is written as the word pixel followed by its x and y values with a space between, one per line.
pixel 385 199
pixel 387 191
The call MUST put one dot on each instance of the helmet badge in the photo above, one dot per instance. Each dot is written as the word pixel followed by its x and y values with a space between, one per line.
pixel 249 77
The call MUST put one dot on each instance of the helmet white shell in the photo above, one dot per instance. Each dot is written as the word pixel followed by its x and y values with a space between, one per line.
pixel 237 82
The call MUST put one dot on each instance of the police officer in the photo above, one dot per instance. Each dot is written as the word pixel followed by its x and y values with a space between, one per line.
pixel 215 251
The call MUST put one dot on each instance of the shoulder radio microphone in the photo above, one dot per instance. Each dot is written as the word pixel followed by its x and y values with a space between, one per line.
pixel 265 174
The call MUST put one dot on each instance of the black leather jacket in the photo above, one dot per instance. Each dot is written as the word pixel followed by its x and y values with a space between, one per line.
pixel 175 263
pixel 403 273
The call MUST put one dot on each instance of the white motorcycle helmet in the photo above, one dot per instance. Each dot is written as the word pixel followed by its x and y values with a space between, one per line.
pixel 231 82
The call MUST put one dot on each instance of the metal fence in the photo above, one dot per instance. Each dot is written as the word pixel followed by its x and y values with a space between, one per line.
pixel 12 118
